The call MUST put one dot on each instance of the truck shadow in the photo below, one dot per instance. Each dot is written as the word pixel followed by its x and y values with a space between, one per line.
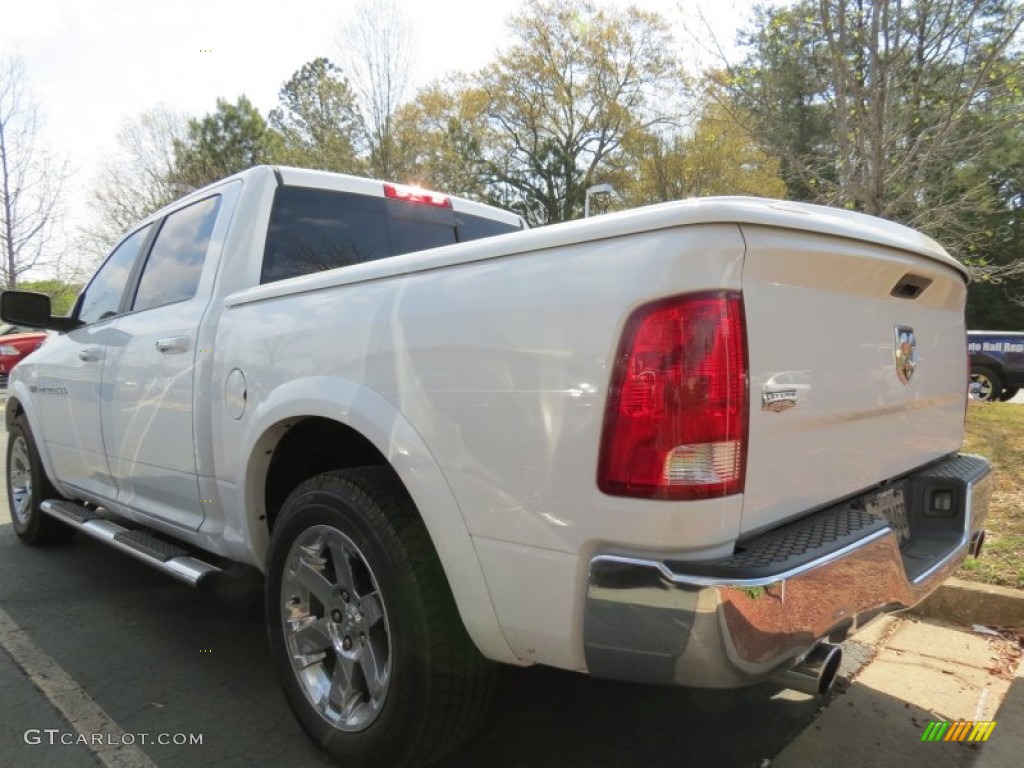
pixel 543 717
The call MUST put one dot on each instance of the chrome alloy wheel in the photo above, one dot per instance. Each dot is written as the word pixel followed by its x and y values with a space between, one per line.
pixel 336 628
pixel 19 480
pixel 982 388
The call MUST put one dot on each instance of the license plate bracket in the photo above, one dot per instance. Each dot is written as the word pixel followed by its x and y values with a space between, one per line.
pixel 891 506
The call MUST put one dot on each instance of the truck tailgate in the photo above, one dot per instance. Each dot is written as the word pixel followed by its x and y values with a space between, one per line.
pixel 857 368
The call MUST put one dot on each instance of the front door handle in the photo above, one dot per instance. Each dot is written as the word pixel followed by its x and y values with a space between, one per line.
pixel 89 354
pixel 172 345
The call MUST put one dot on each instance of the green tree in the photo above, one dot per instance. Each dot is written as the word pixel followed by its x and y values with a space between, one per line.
pixel 718 157
pixel 783 72
pixel 872 105
pixel 995 250
pixel 62 295
pixel 562 98
pixel 318 119
pixel 440 139
pixel 232 138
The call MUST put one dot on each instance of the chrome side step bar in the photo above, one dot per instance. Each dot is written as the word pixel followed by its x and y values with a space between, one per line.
pixel 140 544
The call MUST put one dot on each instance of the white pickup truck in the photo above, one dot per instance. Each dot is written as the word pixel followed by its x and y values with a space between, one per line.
pixel 692 444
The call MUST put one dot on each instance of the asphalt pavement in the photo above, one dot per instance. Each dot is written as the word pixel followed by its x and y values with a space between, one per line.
pixel 94 642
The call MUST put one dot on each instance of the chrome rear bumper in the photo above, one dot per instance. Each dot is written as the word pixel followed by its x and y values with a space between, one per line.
pixel 735 621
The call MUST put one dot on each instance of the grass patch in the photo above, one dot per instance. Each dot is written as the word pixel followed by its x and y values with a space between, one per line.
pixel 996 430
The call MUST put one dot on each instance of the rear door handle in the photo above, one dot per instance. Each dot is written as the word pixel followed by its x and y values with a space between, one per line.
pixel 89 354
pixel 172 345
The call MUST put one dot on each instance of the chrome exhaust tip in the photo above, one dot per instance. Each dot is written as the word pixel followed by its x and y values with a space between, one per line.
pixel 977 542
pixel 816 673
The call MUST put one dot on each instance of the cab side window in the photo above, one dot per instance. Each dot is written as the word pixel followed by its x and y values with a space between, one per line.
pixel 103 296
pixel 175 262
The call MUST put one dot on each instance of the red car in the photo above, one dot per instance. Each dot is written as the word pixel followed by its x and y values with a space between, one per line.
pixel 16 343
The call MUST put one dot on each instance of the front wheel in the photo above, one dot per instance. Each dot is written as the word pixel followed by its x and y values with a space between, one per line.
pixel 366 638
pixel 1008 394
pixel 28 487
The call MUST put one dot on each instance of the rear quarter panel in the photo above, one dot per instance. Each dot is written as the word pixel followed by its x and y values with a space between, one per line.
pixel 501 368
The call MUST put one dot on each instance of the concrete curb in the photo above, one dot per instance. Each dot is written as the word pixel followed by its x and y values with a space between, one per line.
pixel 968 602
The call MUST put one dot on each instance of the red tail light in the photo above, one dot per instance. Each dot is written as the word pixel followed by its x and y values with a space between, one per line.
pixel 675 424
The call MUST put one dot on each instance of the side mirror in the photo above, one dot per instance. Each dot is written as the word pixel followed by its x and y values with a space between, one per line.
pixel 31 310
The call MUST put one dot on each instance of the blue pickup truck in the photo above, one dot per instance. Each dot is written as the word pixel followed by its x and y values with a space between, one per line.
pixel 997 364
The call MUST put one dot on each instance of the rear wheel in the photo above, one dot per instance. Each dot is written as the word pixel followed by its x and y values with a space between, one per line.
pixel 366 638
pixel 985 384
pixel 1008 394
pixel 27 487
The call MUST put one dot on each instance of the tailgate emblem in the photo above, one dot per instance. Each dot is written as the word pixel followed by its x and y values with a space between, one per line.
pixel 906 353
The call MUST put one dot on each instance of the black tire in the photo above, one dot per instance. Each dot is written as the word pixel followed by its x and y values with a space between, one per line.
pixel 27 487
pixel 355 538
pixel 1008 394
pixel 985 384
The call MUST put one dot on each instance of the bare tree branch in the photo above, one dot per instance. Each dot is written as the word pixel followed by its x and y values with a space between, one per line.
pixel 376 45
pixel 137 178
pixel 32 180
